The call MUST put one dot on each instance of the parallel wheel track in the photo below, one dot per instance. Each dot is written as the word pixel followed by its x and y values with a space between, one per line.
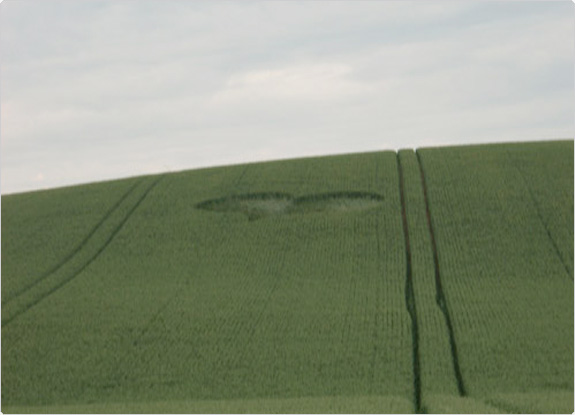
pixel 74 251
pixel 37 292
pixel 409 295
pixel 439 293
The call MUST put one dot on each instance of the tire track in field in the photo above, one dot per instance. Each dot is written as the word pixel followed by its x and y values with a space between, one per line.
pixel 378 312
pixel 236 185
pixel 173 298
pixel 74 251
pixel 375 333
pixel 139 340
pixel 153 319
pixel 440 297
pixel 409 294
pixel 542 219
pixel 48 286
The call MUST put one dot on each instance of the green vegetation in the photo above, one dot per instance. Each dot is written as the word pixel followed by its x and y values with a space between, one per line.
pixel 508 286
pixel 440 281
pixel 258 205
pixel 437 375
pixel 321 405
pixel 42 230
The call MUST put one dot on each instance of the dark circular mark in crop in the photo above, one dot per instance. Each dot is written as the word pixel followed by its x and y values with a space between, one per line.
pixel 257 205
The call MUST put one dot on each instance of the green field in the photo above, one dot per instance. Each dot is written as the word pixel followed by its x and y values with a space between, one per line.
pixel 432 281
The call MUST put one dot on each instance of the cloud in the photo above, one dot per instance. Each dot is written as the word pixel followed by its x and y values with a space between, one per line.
pixel 313 82
pixel 94 90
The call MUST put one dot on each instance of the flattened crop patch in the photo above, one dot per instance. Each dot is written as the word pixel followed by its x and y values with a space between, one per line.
pixel 258 205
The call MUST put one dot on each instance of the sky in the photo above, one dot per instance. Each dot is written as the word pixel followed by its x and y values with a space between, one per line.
pixel 98 90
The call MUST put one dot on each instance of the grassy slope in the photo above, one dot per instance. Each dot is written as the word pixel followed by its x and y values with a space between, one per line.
pixel 168 308
pixel 191 304
pixel 436 367
pixel 40 230
pixel 321 405
pixel 510 295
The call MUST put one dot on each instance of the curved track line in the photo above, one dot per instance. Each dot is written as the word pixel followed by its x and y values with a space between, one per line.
pixel 42 295
pixel 173 297
pixel 409 294
pixel 74 251
pixel 440 295
pixel 541 218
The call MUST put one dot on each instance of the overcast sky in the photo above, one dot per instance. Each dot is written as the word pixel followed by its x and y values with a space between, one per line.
pixel 95 90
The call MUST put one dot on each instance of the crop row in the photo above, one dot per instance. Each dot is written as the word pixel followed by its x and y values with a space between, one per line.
pixel 80 257
pixel 191 304
pixel 451 292
pixel 42 230
pixel 506 281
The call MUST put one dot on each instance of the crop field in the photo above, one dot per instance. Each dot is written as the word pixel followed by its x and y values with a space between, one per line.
pixel 436 280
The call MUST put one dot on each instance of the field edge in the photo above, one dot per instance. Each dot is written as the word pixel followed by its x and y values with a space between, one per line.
pixel 327 404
